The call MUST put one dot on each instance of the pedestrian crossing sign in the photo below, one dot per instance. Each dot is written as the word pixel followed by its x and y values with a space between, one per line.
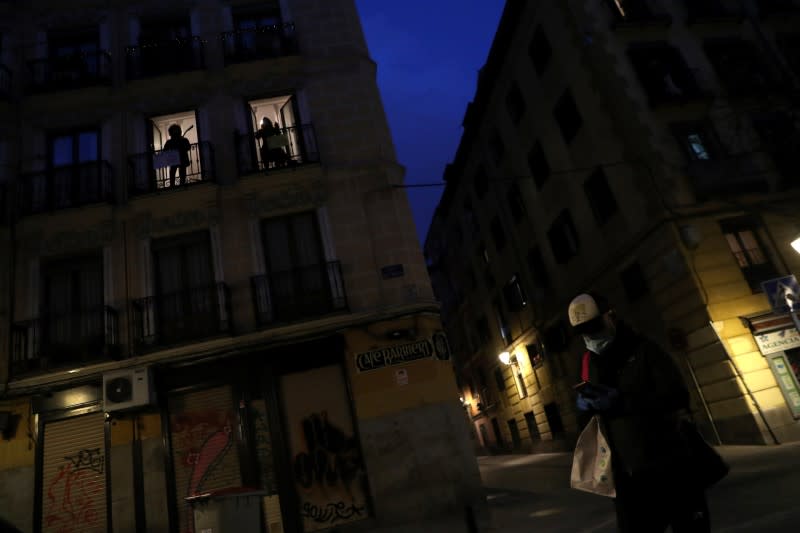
pixel 783 294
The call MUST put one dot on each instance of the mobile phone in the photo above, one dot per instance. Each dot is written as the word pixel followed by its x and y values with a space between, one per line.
pixel 586 389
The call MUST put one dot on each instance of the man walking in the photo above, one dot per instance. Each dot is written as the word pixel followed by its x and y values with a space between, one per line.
pixel 643 404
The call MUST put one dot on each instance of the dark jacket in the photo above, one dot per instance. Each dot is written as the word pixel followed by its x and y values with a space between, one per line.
pixel 643 424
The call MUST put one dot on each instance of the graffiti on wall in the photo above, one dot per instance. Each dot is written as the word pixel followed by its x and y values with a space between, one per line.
pixel 75 493
pixel 201 441
pixel 329 474
pixel 263 447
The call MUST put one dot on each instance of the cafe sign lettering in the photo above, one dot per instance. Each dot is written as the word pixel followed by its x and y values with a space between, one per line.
pixel 394 355
pixel 778 341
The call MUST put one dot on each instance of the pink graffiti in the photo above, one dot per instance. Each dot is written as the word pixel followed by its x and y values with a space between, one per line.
pixel 75 510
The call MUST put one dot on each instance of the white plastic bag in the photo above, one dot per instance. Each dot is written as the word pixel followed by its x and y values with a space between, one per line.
pixel 591 462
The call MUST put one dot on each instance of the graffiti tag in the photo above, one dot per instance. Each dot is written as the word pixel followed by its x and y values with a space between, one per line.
pixel 332 456
pixel 332 512
pixel 72 499
pixel 87 460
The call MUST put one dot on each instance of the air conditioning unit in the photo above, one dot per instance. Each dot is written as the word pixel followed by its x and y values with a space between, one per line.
pixel 127 389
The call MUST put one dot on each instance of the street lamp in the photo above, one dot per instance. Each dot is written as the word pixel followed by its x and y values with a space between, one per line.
pixel 796 244
pixel 511 360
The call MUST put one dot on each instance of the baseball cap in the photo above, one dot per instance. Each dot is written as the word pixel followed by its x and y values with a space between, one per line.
pixel 586 313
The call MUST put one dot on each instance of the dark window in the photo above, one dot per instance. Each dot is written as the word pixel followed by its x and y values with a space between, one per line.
pixel 634 282
pixel 533 428
pixel 515 103
pixel 186 300
pixel 514 294
pixel 535 354
pixel 537 268
pixel 540 51
pixel 497 434
pixel 567 115
pixel 502 323
pixel 600 197
pixel 72 303
pixel 74 148
pixel 481 182
pixel 663 73
pixel 499 379
pixel 482 328
pixel 537 162
pixel 515 202
pixel 739 66
pixel 563 237
pixel 498 234
pixel 789 45
pixel 256 28
pixel 745 244
pixel 695 140
pixel 512 427
pixel 497 148
pixel 553 414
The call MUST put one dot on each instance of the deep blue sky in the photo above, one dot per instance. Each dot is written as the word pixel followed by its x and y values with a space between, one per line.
pixel 428 54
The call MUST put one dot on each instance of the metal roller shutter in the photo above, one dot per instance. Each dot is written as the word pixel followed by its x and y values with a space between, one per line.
pixel 74 475
pixel 205 455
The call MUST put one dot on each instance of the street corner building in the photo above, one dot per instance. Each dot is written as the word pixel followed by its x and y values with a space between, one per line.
pixel 646 150
pixel 214 311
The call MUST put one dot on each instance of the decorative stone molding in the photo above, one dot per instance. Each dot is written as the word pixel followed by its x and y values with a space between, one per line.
pixel 66 241
pixel 146 226
pixel 310 195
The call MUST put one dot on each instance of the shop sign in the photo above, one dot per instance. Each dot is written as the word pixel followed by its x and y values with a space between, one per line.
pixel 394 355
pixel 777 341
pixel 787 382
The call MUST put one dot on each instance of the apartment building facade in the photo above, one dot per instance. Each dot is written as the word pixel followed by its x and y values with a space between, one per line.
pixel 210 280
pixel 645 150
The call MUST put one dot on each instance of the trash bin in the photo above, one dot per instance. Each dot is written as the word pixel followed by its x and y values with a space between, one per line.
pixel 231 510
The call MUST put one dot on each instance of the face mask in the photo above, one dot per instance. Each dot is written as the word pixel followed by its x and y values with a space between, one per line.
pixel 598 344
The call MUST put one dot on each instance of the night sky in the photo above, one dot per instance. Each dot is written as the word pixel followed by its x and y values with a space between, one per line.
pixel 428 54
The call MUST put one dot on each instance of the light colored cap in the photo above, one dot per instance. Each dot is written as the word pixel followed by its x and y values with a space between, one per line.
pixel 582 308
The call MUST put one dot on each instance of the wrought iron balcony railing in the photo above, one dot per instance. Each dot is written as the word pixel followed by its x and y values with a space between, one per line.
pixel 181 316
pixel 300 293
pixel 160 170
pixel 64 187
pixel 261 43
pixel 296 145
pixel 5 82
pixel 61 340
pixel 70 72
pixel 165 57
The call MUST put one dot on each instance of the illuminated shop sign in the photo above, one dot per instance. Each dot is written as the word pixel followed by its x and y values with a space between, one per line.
pixel 777 341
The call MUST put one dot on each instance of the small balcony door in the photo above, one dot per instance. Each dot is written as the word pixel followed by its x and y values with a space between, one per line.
pixel 297 271
pixel 74 169
pixel 73 307
pixel 186 297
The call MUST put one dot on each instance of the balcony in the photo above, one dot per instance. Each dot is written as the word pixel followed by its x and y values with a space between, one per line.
pixel 74 71
pixel 165 57
pixel 159 170
pixel 301 293
pixel 5 82
pixel 729 176
pixel 262 43
pixel 65 187
pixel 66 340
pixel 180 317
pixel 297 145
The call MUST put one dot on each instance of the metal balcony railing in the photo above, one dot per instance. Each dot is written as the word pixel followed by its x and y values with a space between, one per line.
pixel 159 170
pixel 61 340
pixel 261 43
pixel 70 72
pixel 296 145
pixel 64 187
pixel 5 82
pixel 165 57
pixel 300 293
pixel 181 316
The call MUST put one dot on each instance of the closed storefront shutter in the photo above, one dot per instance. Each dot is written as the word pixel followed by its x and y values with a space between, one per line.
pixel 203 431
pixel 74 475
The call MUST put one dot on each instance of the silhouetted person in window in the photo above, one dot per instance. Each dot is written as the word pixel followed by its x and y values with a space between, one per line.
pixel 272 142
pixel 180 144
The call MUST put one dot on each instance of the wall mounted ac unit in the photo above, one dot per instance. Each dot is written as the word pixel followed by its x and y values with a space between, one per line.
pixel 127 389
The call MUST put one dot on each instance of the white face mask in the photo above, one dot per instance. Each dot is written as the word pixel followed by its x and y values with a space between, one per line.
pixel 597 344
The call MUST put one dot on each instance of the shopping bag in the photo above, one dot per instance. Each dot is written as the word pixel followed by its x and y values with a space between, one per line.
pixel 591 462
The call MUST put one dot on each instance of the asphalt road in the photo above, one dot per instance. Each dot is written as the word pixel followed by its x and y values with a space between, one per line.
pixel 530 493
